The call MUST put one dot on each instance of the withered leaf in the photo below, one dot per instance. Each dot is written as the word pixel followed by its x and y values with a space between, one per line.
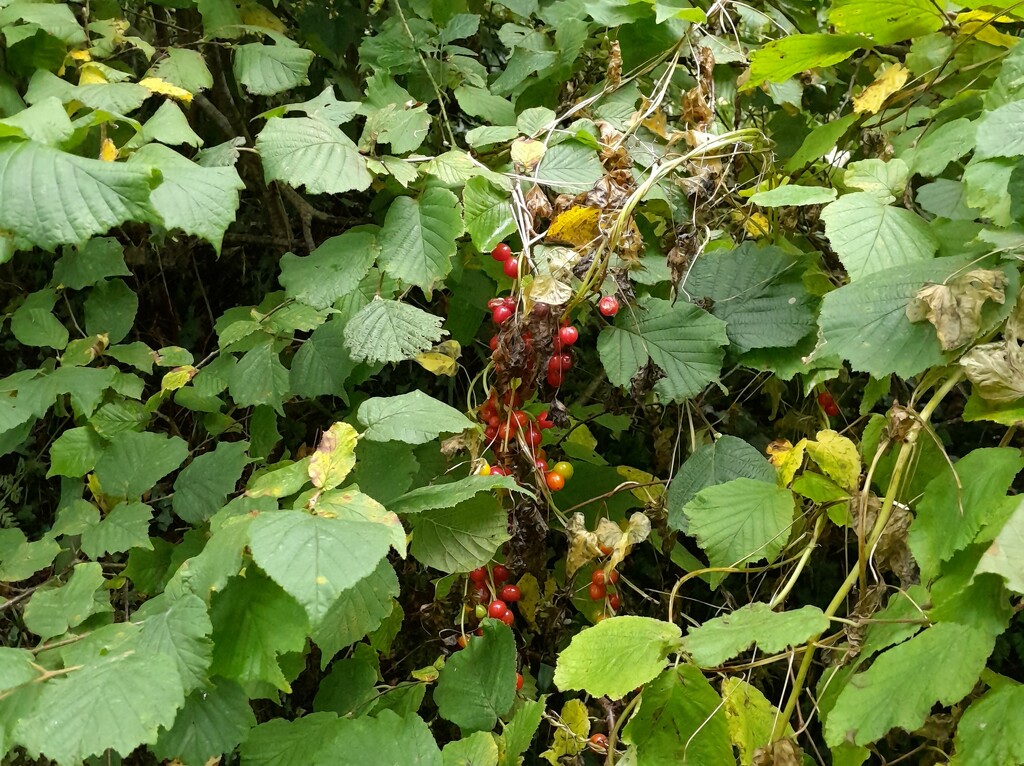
pixel 955 308
pixel 996 370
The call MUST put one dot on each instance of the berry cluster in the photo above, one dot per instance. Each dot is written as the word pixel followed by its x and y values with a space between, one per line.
pixel 503 254
pixel 492 588
pixel 603 587
pixel 828 404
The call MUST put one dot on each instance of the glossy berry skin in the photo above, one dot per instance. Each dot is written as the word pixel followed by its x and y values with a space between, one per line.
pixel 490 434
pixel 519 681
pixel 520 418
pixel 614 602
pixel 543 422
pixel 597 592
pixel 555 378
pixel 508 618
pixel 532 435
pixel 568 335
pixel 598 743
pixel 478 575
pixel 502 252
pixel 462 640
pixel 511 593
pixel 554 481
pixel 511 268
pixel 598 577
pixel 605 549
pixel 832 410
pixel 493 343
pixel 563 469
pixel 501 314
pixel 497 609
pixel 608 305
pixel 497 470
pixel 493 303
pixel 541 465
pixel 500 573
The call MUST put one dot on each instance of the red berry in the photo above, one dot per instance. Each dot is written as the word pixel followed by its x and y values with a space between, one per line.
pixel 542 465
pixel 479 575
pixel 825 399
pixel 605 549
pixel 497 470
pixel 519 681
pixel 502 252
pixel 614 602
pixel 500 574
pixel 503 432
pixel 831 409
pixel 511 268
pixel 493 343
pixel 490 434
pixel 597 592
pixel 568 335
pixel 493 303
pixel 509 301
pixel 501 314
pixel 555 481
pixel 532 436
pixel 462 640
pixel 479 631
pixel 511 593
pixel 520 418
pixel 598 743
pixel 508 618
pixel 543 422
pixel 555 378
pixel 565 361
pixel 598 577
pixel 497 609
pixel 613 576
pixel 608 305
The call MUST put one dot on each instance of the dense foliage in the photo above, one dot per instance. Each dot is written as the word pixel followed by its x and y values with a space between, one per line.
pixel 563 381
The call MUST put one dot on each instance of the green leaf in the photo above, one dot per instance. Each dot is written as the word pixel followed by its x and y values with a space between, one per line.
pixel 418 237
pixel 75 720
pixel 20 559
pixel 110 309
pixel 75 452
pixel 179 628
pixel 33 323
pixel 870 237
pixel 460 538
pixel 940 664
pixel 452 493
pixel 488 210
pixel 1006 552
pixel 201 201
pixel 413 418
pixel 781 59
pixel 488 135
pixel 168 125
pixel 683 340
pixel 792 194
pixel 866 322
pixel 185 68
pixel 280 480
pixel 203 487
pixel 54 611
pixel 478 684
pixel 478 749
pixel 134 462
pixel 254 622
pixel 125 527
pixel 999 132
pixel 358 610
pixel 315 558
pixel 569 167
pixel 884 22
pixel 45 122
pixel 723 460
pixel 322 365
pixel 259 378
pixel 820 141
pixel 96 195
pixel 334 456
pixel 757 292
pixel 386 739
pixel 212 723
pixel 723 638
pixel 479 102
pixel 519 732
pixel 57 20
pixel 266 70
pixel 681 721
pixel 333 270
pixel 391 331
pixel 616 656
pixel 88 264
pixel 306 151
pixel 280 742
pixel 750 718
pixel 943 145
pixel 743 520
pixel 988 732
pixel 884 179
pixel 955 508
pixel 16 668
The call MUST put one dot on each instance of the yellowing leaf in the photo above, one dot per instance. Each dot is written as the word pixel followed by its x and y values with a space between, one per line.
pixel 577 226
pixel 750 717
pixel 755 225
pixel 442 359
pixel 529 600
pixel 164 88
pixel 256 15
pixel 526 152
pixel 91 75
pixel 886 83
pixel 649 494
pixel 334 457
pixel 837 457
pixel 177 377
pixel 955 307
pixel 571 736
pixel 545 289
pixel 786 458
pixel 108 151
pixel 971 23
pixel 80 55
pixel 657 123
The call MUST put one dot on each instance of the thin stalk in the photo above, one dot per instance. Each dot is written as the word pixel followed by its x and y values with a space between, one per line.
pixel 781 595
pixel 613 735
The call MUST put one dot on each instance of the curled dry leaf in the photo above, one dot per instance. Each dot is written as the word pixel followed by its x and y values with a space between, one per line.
pixel 527 152
pixel 955 308
pixel 783 752
pixel 585 545
pixel 545 289
pixel 614 71
pixel 537 203
pixel 891 553
pixel 996 370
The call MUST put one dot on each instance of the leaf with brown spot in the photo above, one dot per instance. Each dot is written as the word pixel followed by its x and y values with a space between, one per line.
pixel 955 308
pixel 334 457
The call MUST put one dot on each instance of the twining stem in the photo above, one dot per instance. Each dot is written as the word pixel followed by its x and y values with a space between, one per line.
pixel 613 735
pixel 781 595
pixel 905 453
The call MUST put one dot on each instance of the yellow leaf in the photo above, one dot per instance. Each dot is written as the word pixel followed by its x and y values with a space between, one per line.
pixel 755 225
pixel 545 289
pixel 526 152
pixel 750 717
pixel 334 457
pixel 179 376
pixel 91 75
pixel 529 600
pixel 108 151
pixel 577 226
pixel 786 458
pixel 649 494
pixel 657 123
pixel 571 736
pixel 442 359
pixel 80 55
pixel 164 88
pixel 886 83
pixel 971 24
pixel 255 15
pixel 837 457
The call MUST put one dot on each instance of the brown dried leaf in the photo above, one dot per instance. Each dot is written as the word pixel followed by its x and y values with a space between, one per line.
pixel 955 308
pixel 996 370
pixel 657 123
pixel 585 545
pixel 537 203
pixel 783 752
pixel 614 72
